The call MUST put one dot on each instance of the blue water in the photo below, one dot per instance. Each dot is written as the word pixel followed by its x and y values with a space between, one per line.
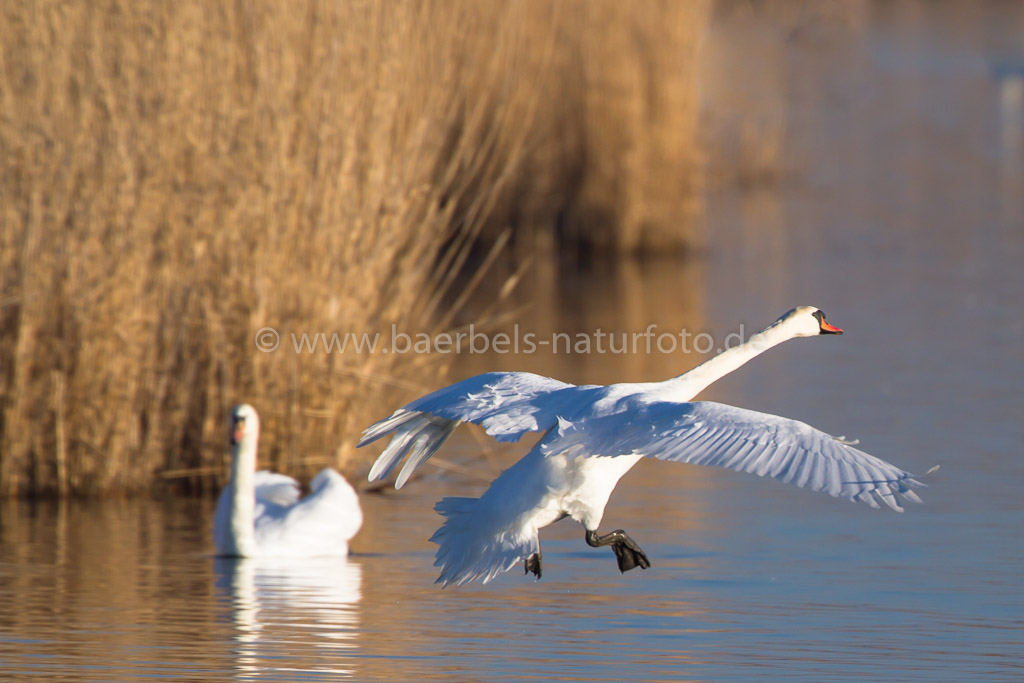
pixel 901 214
pixel 750 579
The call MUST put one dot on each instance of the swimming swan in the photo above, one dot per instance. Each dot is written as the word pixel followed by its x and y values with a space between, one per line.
pixel 593 435
pixel 259 514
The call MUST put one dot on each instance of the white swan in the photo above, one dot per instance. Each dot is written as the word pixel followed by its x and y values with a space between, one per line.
pixel 259 514
pixel 593 435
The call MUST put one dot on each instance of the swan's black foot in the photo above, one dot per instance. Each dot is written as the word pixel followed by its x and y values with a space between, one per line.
pixel 627 553
pixel 630 555
pixel 533 564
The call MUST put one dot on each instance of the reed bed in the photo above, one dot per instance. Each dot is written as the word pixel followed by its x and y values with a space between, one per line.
pixel 175 177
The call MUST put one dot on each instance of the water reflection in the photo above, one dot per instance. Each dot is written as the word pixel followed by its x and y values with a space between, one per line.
pixel 105 590
pixel 290 615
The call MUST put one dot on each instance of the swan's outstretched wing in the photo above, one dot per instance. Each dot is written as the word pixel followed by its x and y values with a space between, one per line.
pixel 506 404
pixel 718 435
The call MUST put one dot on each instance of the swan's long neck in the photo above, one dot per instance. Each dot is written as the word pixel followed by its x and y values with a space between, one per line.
pixel 242 535
pixel 686 386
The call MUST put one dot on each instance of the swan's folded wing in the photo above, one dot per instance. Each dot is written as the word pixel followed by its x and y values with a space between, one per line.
pixel 506 404
pixel 320 524
pixel 335 504
pixel 718 435
pixel 275 490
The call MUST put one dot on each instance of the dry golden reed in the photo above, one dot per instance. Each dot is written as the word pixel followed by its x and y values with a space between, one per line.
pixel 176 176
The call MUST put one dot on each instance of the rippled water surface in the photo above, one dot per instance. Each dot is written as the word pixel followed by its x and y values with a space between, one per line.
pixel 902 217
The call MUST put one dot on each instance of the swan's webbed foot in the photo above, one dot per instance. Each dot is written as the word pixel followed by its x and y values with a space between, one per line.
pixel 533 564
pixel 627 552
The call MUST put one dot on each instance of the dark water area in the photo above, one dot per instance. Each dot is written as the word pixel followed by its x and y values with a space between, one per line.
pixel 884 182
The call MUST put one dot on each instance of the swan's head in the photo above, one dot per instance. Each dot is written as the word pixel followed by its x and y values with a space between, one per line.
pixel 807 321
pixel 245 424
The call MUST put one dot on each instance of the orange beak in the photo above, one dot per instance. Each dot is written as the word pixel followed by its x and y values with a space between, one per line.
pixel 237 432
pixel 828 328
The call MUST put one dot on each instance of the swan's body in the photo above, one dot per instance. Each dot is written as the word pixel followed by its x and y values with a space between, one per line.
pixel 593 435
pixel 259 514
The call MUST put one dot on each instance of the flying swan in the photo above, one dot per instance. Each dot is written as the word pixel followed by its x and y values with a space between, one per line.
pixel 593 435
pixel 259 514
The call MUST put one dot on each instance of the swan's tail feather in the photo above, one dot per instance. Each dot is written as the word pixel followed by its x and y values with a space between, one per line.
pixel 474 545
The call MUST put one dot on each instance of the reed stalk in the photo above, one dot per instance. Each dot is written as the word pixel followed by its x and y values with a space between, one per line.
pixel 175 177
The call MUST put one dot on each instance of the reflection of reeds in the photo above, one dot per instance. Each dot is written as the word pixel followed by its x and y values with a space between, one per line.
pixel 176 176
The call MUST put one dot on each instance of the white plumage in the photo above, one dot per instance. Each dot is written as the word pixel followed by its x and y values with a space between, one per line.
pixel 260 514
pixel 593 435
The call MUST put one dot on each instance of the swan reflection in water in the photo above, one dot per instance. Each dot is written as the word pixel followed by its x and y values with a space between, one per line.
pixel 292 615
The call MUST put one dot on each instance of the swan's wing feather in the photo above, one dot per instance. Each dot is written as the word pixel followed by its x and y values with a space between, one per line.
pixel 274 489
pixel 335 503
pixel 320 524
pixel 718 435
pixel 506 404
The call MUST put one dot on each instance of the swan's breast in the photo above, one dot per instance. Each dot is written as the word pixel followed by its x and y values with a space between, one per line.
pixel 590 484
